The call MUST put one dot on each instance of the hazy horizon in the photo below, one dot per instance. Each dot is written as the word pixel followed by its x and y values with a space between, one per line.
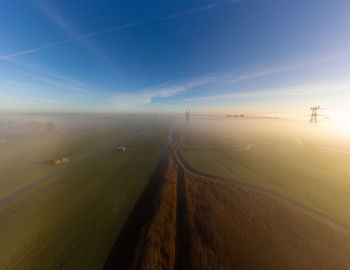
pixel 214 57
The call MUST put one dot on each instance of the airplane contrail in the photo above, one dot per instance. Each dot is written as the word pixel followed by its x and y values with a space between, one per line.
pixel 115 28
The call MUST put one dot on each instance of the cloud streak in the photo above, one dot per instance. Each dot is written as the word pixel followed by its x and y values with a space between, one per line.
pixel 75 38
pixel 52 81
pixel 189 11
pixel 56 18
pixel 53 15
pixel 46 100
pixel 145 96
pixel 274 70
pixel 301 90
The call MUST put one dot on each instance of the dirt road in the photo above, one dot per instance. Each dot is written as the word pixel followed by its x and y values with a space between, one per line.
pixel 306 211
pixel 188 220
pixel 7 198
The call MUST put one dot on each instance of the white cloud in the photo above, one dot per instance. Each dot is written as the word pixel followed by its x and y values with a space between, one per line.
pixel 301 90
pixel 145 96
pixel 39 74
pixel 46 100
pixel 274 70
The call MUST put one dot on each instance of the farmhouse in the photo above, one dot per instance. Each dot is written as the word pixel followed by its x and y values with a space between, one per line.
pixel 61 161
pixel 122 148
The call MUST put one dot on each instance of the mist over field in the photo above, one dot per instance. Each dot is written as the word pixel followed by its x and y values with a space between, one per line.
pixel 177 135
pixel 31 126
pixel 66 177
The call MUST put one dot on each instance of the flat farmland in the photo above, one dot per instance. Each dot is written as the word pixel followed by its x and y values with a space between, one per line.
pixel 300 170
pixel 24 161
pixel 71 220
pixel 205 222
pixel 202 138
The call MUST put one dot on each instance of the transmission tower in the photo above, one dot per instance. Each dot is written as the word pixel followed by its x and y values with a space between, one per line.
pixel 314 114
pixel 187 115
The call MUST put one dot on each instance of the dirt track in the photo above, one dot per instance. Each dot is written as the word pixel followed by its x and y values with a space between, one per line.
pixel 60 171
pixel 193 221
pixel 180 160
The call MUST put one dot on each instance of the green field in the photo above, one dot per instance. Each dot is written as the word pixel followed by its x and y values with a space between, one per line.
pixel 25 161
pixel 71 221
pixel 316 178
pixel 207 138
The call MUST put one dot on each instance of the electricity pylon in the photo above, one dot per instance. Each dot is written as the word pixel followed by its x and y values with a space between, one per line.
pixel 187 115
pixel 314 114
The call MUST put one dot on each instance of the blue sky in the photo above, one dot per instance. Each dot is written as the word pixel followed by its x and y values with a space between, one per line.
pixel 146 56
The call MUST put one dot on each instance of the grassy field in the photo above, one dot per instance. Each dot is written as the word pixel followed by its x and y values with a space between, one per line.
pixel 232 227
pixel 24 161
pixel 204 137
pixel 72 220
pixel 317 178
pixel 201 222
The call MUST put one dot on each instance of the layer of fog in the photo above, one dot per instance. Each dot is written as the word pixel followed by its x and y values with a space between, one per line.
pixel 327 134
pixel 331 134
